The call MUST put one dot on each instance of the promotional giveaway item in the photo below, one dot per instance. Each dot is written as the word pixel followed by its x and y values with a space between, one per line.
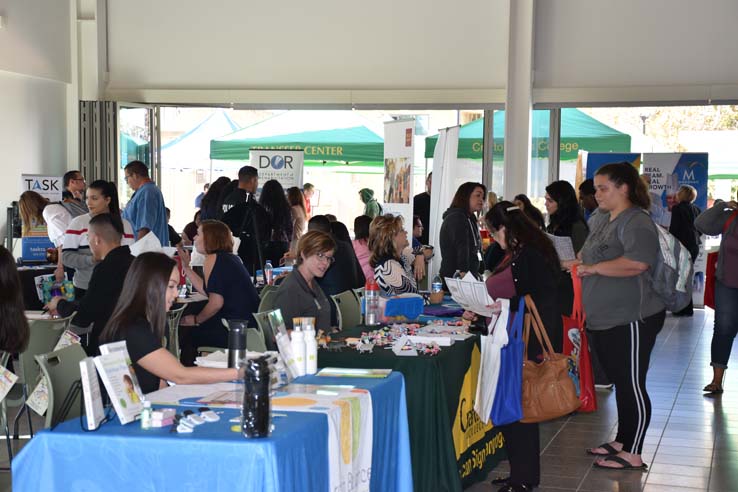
pixel 236 341
pixel 576 346
pixel 489 368
pixel 256 420
pixel 507 407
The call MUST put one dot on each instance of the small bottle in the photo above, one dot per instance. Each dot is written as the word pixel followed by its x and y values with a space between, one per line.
pixel 146 415
pixel 371 300
pixel 457 274
pixel 311 351
pixel 437 284
pixel 268 273
pixel 298 350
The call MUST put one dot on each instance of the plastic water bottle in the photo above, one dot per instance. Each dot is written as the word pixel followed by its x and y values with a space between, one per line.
pixel 311 350
pixel 371 300
pixel 146 415
pixel 268 273
pixel 298 350
pixel 457 274
pixel 437 284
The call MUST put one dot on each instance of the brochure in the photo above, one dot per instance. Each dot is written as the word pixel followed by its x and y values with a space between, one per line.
pixel 91 393
pixel 119 378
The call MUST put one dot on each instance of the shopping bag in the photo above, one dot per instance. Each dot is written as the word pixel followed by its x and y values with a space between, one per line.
pixel 576 346
pixel 489 367
pixel 548 392
pixel 507 406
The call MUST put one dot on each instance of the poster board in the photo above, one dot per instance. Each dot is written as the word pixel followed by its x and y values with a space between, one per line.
pixel 286 166
pixel 399 147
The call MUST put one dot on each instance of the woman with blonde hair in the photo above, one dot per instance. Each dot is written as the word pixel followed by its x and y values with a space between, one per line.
pixel 31 206
pixel 299 212
pixel 390 256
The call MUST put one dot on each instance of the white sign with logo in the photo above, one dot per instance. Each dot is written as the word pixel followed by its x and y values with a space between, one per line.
pixel 49 187
pixel 399 140
pixel 283 165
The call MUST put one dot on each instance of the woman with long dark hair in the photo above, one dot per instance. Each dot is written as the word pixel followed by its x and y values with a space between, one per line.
pixel 530 210
pixel 624 315
pixel 299 212
pixel 274 202
pixel 523 262
pixel 13 323
pixel 210 207
pixel 683 215
pixel 460 242
pixel 102 198
pixel 361 244
pixel 140 318
pixel 564 214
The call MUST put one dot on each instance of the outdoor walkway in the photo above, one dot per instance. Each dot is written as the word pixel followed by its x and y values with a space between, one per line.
pixel 691 445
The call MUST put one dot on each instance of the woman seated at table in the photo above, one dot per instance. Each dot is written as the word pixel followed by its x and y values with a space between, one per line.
pixel 528 264
pixel 299 295
pixel 227 283
pixel 13 323
pixel 391 257
pixel 140 318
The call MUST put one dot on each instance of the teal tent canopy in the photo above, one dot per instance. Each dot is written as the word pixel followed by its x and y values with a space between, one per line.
pixel 323 143
pixel 579 131
pixel 133 149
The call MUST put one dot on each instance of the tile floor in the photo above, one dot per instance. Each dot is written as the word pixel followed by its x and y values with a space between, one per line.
pixel 691 445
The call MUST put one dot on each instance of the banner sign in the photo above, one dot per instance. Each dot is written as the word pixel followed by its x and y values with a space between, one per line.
pixel 49 187
pixel 595 160
pixel 667 173
pixel 283 165
pixel 398 170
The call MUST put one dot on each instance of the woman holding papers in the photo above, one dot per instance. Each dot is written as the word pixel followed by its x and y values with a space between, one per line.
pixel 102 198
pixel 524 263
pixel 140 318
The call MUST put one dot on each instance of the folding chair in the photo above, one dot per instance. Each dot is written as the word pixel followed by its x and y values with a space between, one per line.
pixel 349 309
pixel 61 370
pixel 173 317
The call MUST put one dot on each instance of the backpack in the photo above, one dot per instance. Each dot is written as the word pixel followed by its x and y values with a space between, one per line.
pixel 671 278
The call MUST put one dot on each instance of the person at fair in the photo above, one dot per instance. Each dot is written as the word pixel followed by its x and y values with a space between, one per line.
pixel 112 261
pixel 14 332
pixel 210 206
pixel 530 210
pixel 226 283
pixel 102 198
pixel 174 238
pixel 279 213
pixel 300 295
pixel 145 211
pixel 527 264
pixel 298 209
pixel 248 183
pixel 391 256
pixel 346 273
pixel 722 218
pixel 198 198
pixel 372 208
pixel 35 210
pixel 140 319
pixel 460 242
pixel 683 215
pixel 421 207
pixel 308 190
pixel 360 244
pixel 624 314
pixel 74 193
pixel 587 197
pixel 190 230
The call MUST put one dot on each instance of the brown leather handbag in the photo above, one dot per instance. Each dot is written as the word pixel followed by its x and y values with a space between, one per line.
pixel 548 391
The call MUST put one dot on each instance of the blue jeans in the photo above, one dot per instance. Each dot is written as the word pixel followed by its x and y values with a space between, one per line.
pixel 726 324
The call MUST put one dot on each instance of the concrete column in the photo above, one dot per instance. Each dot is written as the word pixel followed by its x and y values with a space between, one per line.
pixel 519 97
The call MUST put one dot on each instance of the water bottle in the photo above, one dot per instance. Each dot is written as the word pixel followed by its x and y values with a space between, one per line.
pixel 311 350
pixel 146 415
pixel 268 273
pixel 437 284
pixel 371 301
pixel 298 349
pixel 457 274
pixel 236 341
pixel 256 418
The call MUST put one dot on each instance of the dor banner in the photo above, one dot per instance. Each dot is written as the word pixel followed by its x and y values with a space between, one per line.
pixel 49 187
pixel 283 165
pixel 398 170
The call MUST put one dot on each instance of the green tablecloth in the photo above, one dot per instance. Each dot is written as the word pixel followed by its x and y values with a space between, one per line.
pixel 450 447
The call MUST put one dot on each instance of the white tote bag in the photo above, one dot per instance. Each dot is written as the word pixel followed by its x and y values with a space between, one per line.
pixel 489 367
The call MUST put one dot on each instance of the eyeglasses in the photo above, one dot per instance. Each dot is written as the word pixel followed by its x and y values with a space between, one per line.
pixel 326 258
pixel 78 179
pixel 127 177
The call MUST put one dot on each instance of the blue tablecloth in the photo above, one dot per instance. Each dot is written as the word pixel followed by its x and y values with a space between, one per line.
pixel 293 458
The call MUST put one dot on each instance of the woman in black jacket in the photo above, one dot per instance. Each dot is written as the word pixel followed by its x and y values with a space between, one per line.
pixel 683 215
pixel 524 263
pixel 461 245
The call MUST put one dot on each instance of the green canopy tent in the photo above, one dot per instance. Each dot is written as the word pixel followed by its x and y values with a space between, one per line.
pixel 578 132
pixel 133 149
pixel 325 142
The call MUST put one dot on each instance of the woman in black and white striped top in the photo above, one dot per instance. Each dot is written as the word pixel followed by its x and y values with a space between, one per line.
pixel 391 256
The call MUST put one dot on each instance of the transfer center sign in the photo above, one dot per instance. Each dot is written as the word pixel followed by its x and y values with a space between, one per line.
pixel 283 165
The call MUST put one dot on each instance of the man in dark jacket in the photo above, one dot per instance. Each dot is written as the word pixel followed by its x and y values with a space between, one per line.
pixel 421 208
pixel 106 283
pixel 248 220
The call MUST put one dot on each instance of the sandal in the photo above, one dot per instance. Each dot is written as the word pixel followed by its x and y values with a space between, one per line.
pixel 713 389
pixel 624 465
pixel 607 447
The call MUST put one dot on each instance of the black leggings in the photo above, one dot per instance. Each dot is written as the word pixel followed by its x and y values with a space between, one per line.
pixel 625 353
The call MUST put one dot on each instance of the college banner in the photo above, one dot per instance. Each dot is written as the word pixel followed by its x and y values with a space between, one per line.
pixel 595 160
pixel 283 165
pixel 667 173
pixel 49 187
pixel 397 196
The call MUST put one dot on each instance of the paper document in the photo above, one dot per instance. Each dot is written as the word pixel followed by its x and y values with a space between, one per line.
pixel 564 247
pixel 471 294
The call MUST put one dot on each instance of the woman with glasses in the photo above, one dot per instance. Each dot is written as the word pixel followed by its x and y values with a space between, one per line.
pixel 102 198
pixel 299 295
pixel 226 282
pixel 390 256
